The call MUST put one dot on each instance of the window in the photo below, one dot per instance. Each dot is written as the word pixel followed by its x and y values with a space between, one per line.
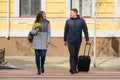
pixel 29 7
pixel 84 7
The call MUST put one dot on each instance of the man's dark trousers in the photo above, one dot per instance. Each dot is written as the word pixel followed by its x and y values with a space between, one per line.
pixel 74 51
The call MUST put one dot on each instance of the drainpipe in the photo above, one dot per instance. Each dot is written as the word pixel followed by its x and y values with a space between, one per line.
pixel 8 20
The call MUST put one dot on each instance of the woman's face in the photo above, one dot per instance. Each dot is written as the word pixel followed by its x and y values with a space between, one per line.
pixel 44 15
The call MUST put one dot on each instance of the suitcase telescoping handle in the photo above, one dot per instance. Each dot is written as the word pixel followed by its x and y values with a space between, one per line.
pixel 89 44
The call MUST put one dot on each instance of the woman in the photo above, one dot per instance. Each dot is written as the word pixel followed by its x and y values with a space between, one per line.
pixel 41 40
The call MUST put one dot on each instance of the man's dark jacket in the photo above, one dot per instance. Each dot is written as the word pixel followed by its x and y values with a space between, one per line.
pixel 73 30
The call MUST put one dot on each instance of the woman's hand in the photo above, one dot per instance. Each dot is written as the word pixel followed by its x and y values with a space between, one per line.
pixel 47 45
pixel 37 29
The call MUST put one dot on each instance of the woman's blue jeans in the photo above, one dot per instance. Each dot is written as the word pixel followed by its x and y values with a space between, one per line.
pixel 40 56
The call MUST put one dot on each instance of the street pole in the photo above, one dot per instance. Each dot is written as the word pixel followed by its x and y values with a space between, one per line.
pixel 8 19
pixel 95 21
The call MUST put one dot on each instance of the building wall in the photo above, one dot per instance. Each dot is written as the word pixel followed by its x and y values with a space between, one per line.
pixel 108 26
pixel 105 8
pixel 21 47
pixel 56 8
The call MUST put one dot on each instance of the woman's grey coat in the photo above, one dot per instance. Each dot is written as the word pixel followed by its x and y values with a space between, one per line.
pixel 41 38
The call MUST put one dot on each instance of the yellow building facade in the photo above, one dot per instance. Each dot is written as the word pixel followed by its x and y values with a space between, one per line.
pixel 17 18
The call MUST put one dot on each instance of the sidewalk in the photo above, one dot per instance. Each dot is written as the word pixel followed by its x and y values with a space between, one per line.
pixel 58 63
pixel 57 68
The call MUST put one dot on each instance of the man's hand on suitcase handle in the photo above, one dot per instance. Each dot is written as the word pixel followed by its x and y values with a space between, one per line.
pixel 66 43
pixel 88 43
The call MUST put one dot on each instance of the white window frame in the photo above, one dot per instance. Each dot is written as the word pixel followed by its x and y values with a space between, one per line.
pixel 117 8
pixel 93 8
pixel 69 4
pixel 17 7
pixel 117 12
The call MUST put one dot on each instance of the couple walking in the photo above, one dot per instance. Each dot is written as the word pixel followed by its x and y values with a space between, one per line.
pixel 72 38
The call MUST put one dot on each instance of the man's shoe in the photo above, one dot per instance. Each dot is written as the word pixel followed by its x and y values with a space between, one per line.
pixel 72 71
pixel 76 71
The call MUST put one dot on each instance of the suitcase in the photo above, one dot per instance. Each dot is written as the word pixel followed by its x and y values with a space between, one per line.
pixel 84 61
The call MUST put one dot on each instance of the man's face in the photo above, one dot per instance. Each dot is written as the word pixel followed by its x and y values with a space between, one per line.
pixel 73 14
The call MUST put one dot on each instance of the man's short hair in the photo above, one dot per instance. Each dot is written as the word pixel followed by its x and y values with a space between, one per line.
pixel 75 10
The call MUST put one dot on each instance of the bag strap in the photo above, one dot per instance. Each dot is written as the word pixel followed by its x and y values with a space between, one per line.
pixel 88 49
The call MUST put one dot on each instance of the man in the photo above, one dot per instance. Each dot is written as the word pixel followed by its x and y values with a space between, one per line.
pixel 73 37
